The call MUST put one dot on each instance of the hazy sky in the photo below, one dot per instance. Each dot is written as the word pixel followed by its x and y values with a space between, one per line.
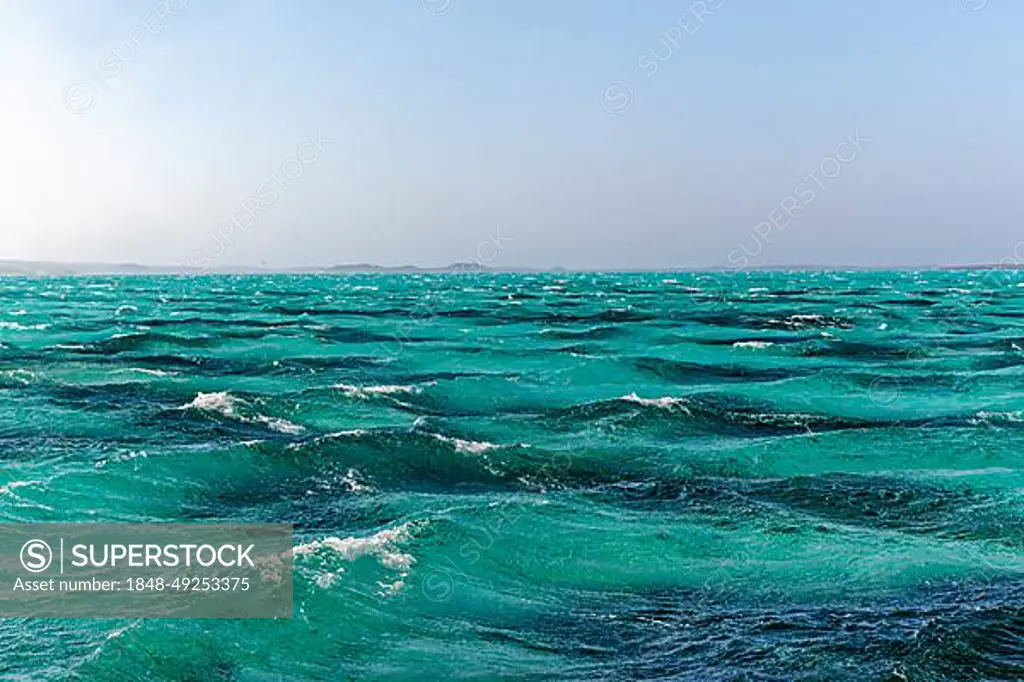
pixel 587 133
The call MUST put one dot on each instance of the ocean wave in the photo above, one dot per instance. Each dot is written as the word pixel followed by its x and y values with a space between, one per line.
pixel 9 488
pixel 1010 417
pixel 707 413
pixel 17 326
pixel 753 344
pixel 221 402
pixel 124 342
pixel 810 321
pixel 471 447
pixel 353 482
pixel 596 332
pixel 385 546
pixel 665 403
pixel 682 372
pixel 20 376
pixel 280 425
pixel 227 405
pixel 365 392
pixel 149 372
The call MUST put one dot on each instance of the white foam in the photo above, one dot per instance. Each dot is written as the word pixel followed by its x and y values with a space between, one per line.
pixel 368 391
pixel 348 433
pixel 226 404
pixel 127 457
pixel 23 376
pixel 665 403
pixel 753 344
pixel 14 485
pixel 17 326
pixel 382 545
pixel 280 425
pixel 325 580
pixel 220 401
pixel 351 481
pixel 1015 416
pixel 469 447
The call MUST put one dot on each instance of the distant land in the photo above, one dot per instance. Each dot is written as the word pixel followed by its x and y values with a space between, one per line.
pixel 47 268
pixel 53 269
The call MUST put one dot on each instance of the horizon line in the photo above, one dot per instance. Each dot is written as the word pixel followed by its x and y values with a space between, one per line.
pixel 469 266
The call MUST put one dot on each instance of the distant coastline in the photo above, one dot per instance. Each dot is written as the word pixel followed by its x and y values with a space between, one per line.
pixel 56 269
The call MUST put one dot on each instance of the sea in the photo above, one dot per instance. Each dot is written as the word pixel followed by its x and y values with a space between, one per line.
pixel 560 476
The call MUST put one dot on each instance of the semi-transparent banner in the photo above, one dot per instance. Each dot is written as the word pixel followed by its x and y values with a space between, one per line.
pixel 160 570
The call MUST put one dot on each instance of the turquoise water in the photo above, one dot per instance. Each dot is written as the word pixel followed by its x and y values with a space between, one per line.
pixel 766 476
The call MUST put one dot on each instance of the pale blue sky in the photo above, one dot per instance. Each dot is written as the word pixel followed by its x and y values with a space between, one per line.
pixel 494 116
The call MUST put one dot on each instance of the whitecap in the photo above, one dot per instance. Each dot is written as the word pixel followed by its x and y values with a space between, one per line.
pixel 326 580
pixel 16 326
pixel 666 403
pixel 280 425
pixel 383 545
pixel 753 344
pixel 127 457
pixel 469 447
pixel 14 485
pixel 226 404
pixel 1013 417
pixel 352 482
pixel 220 401
pixel 367 391
pixel 348 433
pixel 23 376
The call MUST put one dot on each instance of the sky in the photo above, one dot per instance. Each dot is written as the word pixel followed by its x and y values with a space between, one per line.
pixel 579 133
